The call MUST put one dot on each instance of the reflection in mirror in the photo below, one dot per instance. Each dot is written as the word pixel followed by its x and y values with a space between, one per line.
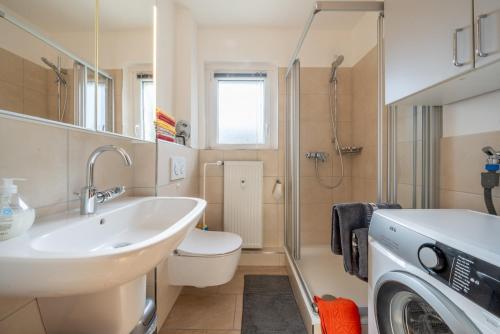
pixel 46 64
pixel 126 87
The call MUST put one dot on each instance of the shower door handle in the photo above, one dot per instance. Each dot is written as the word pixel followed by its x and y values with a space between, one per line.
pixel 456 62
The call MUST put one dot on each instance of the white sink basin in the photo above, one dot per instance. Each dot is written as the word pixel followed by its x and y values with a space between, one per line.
pixel 71 254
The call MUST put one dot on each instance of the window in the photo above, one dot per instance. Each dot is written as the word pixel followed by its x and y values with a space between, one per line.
pixel 242 106
pixel 147 104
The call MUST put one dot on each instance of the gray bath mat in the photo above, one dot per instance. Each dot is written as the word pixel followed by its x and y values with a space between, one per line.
pixel 269 306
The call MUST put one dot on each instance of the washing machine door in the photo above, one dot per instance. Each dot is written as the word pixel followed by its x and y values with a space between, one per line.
pixel 406 304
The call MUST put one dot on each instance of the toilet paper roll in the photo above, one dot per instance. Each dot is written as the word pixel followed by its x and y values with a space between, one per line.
pixel 278 190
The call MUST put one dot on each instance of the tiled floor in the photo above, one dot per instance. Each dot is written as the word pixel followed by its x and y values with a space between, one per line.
pixel 213 310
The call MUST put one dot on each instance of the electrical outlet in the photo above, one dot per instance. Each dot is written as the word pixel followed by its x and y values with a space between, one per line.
pixel 177 168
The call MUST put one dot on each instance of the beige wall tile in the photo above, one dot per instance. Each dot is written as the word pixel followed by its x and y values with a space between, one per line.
pixel 282 80
pixel 166 294
pixel 144 165
pixel 364 128
pixel 167 190
pixel 270 219
pixel 35 77
pixel 342 194
pixel 314 80
pixel 463 200
pixel 462 161
pixel 35 103
pixel 11 68
pixel 214 189
pixel 240 155
pixel 315 224
pixel 281 225
pixel 364 190
pixel 29 145
pixel 214 216
pixel 314 108
pixel 211 156
pixel 405 195
pixel 281 162
pixel 270 159
pixel 312 191
pixel 11 97
pixel 315 136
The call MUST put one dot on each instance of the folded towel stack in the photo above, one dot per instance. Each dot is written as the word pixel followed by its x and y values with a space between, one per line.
pixel 165 126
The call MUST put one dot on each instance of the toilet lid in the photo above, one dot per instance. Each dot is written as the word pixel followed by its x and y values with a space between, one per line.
pixel 209 243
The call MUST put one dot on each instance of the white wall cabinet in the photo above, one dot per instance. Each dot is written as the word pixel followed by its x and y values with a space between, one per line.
pixel 426 42
pixel 487 30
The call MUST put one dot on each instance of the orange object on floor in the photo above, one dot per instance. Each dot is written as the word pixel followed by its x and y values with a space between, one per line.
pixel 338 316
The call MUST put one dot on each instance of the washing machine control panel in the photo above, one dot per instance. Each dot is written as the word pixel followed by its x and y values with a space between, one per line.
pixel 475 279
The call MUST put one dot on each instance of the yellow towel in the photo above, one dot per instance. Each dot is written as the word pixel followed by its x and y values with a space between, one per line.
pixel 165 125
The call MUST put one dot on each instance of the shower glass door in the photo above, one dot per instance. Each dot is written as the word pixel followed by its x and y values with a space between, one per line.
pixel 414 133
pixel 292 165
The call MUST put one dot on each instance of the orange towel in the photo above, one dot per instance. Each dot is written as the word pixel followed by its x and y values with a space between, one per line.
pixel 338 316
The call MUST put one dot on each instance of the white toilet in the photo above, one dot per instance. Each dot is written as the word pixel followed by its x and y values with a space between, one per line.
pixel 205 258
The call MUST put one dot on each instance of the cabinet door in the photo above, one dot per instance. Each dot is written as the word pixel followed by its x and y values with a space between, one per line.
pixel 426 42
pixel 487 20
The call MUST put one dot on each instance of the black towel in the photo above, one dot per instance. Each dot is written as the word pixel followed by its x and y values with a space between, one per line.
pixel 360 253
pixel 346 218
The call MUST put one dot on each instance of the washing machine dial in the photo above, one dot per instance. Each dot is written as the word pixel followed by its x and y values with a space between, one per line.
pixel 431 257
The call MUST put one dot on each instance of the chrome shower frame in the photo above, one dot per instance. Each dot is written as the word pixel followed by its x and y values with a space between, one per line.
pixel 292 156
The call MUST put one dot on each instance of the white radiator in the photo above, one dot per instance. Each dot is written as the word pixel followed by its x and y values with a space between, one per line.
pixel 243 183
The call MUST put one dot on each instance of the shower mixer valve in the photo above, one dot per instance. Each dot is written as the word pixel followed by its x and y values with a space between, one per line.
pixel 321 156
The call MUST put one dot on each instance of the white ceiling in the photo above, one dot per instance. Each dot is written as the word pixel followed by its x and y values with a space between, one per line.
pixel 265 13
pixel 78 15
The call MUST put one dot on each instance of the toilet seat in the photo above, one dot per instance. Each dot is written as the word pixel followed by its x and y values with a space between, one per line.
pixel 208 244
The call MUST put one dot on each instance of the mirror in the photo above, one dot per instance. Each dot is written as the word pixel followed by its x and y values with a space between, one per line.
pixel 46 59
pixel 47 63
pixel 126 88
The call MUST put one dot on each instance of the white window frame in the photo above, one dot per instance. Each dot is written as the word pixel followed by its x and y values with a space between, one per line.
pixel 270 105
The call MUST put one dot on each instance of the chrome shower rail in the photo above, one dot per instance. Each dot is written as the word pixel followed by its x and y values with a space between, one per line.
pixel 333 6
pixel 292 226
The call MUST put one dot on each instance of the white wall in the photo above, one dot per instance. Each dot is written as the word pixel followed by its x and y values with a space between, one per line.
pixel 186 71
pixel 165 42
pixel 476 115
pixel 364 36
pixel 276 45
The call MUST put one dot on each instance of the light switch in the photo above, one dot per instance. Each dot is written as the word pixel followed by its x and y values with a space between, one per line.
pixel 177 168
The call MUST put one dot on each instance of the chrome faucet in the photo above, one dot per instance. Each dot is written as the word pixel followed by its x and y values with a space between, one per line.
pixel 90 195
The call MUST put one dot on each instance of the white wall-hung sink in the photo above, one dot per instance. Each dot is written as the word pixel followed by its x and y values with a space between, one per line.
pixel 68 258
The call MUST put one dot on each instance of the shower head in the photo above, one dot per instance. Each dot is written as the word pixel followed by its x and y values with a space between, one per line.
pixel 57 71
pixel 335 64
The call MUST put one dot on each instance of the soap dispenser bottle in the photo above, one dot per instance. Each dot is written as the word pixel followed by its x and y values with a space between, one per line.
pixel 16 216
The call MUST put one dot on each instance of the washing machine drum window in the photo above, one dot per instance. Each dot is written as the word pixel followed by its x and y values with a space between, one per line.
pixel 406 304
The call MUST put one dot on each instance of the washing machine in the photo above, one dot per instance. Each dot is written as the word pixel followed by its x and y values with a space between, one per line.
pixel 434 271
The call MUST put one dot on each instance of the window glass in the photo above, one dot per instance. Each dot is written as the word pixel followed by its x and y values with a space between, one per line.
pixel 240 112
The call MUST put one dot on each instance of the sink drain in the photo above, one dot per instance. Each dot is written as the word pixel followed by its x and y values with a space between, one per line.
pixel 122 244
